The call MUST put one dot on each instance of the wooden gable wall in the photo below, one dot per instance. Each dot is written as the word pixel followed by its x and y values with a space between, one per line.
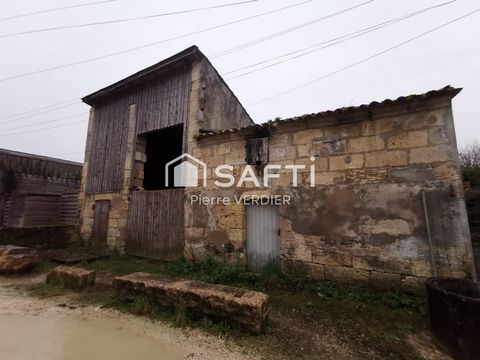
pixel 160 103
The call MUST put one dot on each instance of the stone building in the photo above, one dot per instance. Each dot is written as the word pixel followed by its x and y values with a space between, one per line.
pixel 368 195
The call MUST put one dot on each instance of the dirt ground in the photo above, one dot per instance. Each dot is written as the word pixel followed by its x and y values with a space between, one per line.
pixel 16 304
pixel 291 334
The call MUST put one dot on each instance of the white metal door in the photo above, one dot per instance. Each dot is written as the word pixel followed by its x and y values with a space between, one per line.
pixel 263 236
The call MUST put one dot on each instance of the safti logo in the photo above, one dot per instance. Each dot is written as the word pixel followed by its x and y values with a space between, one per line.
pixel 185 174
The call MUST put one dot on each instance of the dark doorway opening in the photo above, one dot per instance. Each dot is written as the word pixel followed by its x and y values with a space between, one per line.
pixel 162 146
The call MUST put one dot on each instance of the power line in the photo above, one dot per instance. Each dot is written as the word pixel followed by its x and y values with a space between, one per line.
pixel 46 122
pixel 315 80
pixel 365 59
pixel 36 109
pixel 328 43
pixel 50 109
pixel 43 129
pixel 137 18
pixel 286 31
pixel 55 9
pixel 152 43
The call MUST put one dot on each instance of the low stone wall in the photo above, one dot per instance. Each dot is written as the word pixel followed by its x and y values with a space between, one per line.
pixel 40 237
pixel 250 309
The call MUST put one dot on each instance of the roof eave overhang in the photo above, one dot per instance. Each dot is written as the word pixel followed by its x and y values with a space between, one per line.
pixel 183 58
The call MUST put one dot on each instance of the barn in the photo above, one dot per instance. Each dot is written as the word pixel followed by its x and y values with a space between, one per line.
pixel 136 127
pixel 38 199
pixel 370 194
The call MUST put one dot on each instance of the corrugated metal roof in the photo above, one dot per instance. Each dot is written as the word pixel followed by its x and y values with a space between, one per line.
pixel 445 91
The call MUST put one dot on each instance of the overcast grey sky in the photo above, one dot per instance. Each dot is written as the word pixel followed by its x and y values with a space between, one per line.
pixel 450 55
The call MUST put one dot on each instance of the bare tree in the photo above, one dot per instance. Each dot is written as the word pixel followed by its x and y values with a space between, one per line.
pixel 470 155
pixel 470 162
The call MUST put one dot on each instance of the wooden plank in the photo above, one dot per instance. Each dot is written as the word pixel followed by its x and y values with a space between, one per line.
pixel 21 163
pixel 156 224
pixel 41 210
pixel 69 209
pixel 164 102
pixel 257 151
pixel 160 104
pixel 98 239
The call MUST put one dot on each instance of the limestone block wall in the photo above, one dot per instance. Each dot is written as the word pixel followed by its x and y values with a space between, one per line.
pixel 364 220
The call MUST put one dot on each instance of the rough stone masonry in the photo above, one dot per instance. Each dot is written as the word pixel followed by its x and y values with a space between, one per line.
pixel 364 221
pixel 381 171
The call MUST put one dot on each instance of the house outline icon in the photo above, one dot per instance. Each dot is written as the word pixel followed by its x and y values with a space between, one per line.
pixel 186 173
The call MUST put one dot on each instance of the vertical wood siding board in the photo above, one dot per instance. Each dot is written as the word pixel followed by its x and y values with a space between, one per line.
pixel 156 218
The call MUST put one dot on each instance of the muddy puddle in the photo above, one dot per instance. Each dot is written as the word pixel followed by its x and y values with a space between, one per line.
pixel 70 337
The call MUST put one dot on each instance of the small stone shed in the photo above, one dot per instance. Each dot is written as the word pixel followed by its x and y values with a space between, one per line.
pixel 387 180
pixel 386 208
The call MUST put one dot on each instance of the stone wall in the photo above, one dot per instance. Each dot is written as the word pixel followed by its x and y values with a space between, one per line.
pixel 364 220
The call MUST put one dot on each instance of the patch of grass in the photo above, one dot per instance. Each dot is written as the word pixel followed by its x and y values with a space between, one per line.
pixel 394 300
pixel 119 265
pixel 374 323
pixel 47 290
pixel 43 266
pixel 370 324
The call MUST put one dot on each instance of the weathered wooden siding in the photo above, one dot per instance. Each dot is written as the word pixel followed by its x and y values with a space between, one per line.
pixel 161 103
pixel 108 146
pixel 41 210
pixel 32 190
pixel 13 183
pixel 100 226
pixel 69 209
pixel 26 210
pixel 35 165
pixel 156 224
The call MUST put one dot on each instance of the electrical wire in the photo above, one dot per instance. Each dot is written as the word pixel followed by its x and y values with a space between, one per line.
pixel 328 43
pixel 43 129
pixel 46 122
pixel 50 109
pixel 137 18
pixel 55 9
pixel 312 81
pixel 365 59
pixel 30 73
pixel 286 31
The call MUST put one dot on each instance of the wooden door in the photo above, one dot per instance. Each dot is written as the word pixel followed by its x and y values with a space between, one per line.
pixel 263 236
pixel 100 226
pixel 156 224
